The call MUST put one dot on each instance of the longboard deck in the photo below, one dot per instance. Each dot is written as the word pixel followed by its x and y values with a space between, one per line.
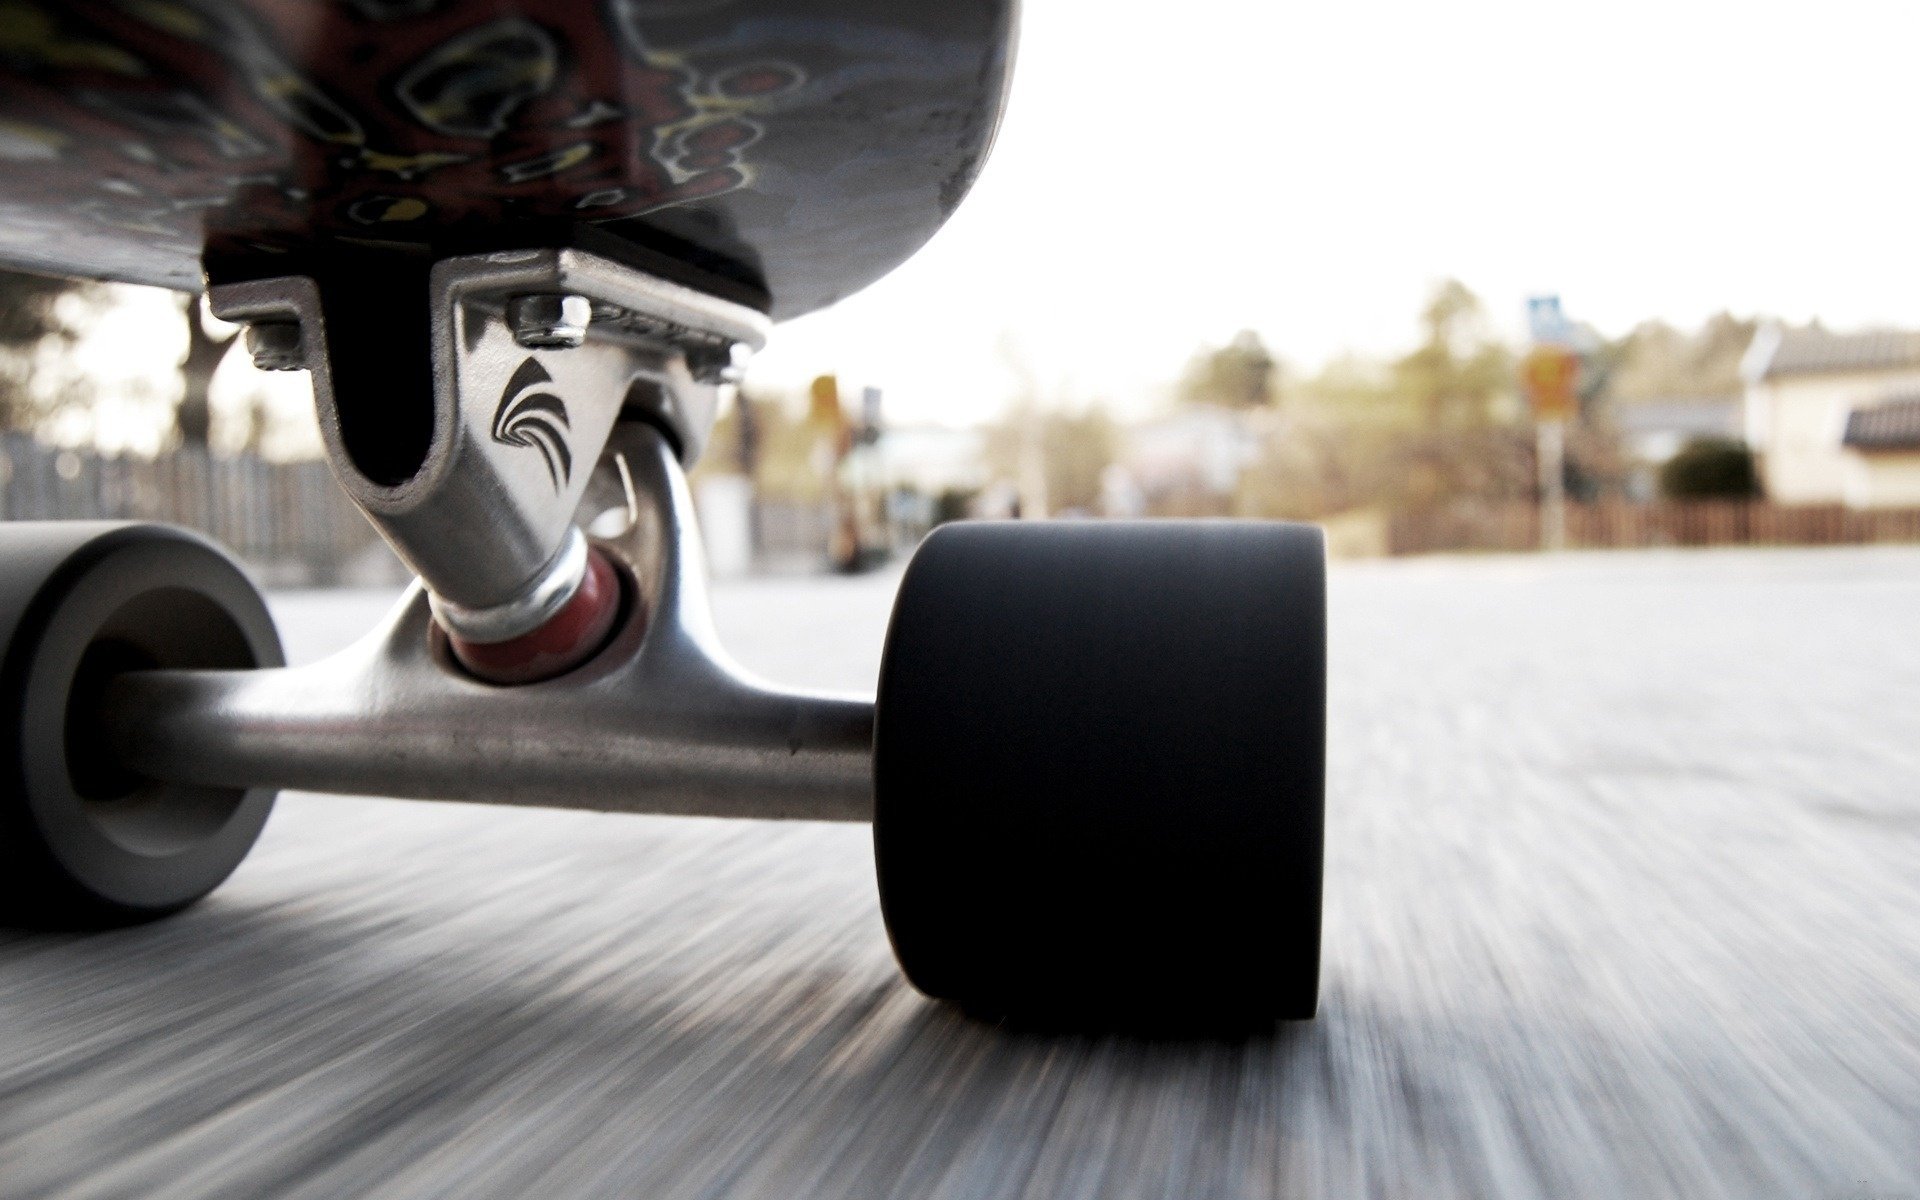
pixel 787 152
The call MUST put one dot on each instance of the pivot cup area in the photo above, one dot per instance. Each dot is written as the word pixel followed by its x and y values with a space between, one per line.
pixel 568 638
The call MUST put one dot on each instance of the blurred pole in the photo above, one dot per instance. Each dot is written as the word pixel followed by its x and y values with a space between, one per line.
pixel 1549 378
pixel 1551 435
pixel 1033 468
pixel 747 457
pixel 872 433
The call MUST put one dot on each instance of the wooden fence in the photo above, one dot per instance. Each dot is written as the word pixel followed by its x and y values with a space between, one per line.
pixel 289 521
pixel 1614 526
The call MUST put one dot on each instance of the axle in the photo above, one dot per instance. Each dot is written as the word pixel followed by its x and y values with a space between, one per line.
pixel 660 720
pixel 409 727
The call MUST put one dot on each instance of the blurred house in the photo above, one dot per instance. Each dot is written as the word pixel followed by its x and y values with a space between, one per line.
pixel 1883 444
pixel 1652 432
pixel 1835 417
pixel 1190 461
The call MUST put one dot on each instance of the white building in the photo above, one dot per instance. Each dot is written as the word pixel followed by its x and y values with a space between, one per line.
pixel 1835 418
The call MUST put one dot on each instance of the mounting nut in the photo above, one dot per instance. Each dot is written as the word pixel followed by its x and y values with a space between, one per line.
pixel 276 346
pixel 549 322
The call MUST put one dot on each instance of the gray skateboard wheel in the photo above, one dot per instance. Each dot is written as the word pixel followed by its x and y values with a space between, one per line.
pixel 82 841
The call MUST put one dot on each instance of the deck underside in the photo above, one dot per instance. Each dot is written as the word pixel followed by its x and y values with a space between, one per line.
pixel 789 151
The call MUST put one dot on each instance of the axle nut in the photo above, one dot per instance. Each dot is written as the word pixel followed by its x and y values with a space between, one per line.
pixel 276 346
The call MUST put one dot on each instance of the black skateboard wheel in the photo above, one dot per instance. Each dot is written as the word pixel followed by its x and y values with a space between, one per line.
pixel 1099 760
pixel 83 842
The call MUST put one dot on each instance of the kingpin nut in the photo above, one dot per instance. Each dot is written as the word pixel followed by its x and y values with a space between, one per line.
pixel 549 322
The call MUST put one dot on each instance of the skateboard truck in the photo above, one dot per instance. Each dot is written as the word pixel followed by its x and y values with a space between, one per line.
pixel 535 356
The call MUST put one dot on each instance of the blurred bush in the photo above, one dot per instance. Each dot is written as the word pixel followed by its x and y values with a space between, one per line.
pixel 952 504
pixel 1710 468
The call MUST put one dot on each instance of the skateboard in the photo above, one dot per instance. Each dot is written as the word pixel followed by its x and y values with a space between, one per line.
pixel 522 251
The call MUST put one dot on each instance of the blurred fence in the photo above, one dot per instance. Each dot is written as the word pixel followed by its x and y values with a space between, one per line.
pixel 1614 526
pixel 290 522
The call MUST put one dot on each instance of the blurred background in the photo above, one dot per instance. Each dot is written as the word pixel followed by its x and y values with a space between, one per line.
pixel 1479 277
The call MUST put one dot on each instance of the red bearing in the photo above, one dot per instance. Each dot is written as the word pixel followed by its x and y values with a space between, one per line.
pixel 569 638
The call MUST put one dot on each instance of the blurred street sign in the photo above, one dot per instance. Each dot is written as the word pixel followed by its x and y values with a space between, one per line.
pixel 1550 375
pixel 1547 323
pixel 1550 379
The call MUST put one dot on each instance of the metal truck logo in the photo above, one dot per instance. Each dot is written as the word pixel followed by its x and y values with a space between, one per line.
pixel 538 419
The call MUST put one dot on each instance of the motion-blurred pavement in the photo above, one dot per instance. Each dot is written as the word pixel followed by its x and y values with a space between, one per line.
pixel 1623 900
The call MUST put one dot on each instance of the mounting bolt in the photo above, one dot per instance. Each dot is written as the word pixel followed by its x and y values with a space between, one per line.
pixel 276 346
pixel 718 364
pixel 549 322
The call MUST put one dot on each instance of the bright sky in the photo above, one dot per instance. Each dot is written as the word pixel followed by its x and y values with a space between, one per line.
pixel 1168 174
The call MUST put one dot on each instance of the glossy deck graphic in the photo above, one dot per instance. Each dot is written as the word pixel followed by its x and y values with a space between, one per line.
pixel 796 151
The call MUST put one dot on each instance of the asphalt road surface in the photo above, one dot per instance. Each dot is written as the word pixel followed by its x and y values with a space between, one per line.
pixel 1623 901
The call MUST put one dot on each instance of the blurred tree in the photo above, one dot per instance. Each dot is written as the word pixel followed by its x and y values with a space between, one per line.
pixel 779 439
pixel 1240 374
pixel 1070 450
pixel 1442 426
pixel 1303 469
pixel 1459 370
pixel 1710 468
pixel 1656 362
pixel 207 344
pixel 1458 386
pixel 31 315
pixel 1437 427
